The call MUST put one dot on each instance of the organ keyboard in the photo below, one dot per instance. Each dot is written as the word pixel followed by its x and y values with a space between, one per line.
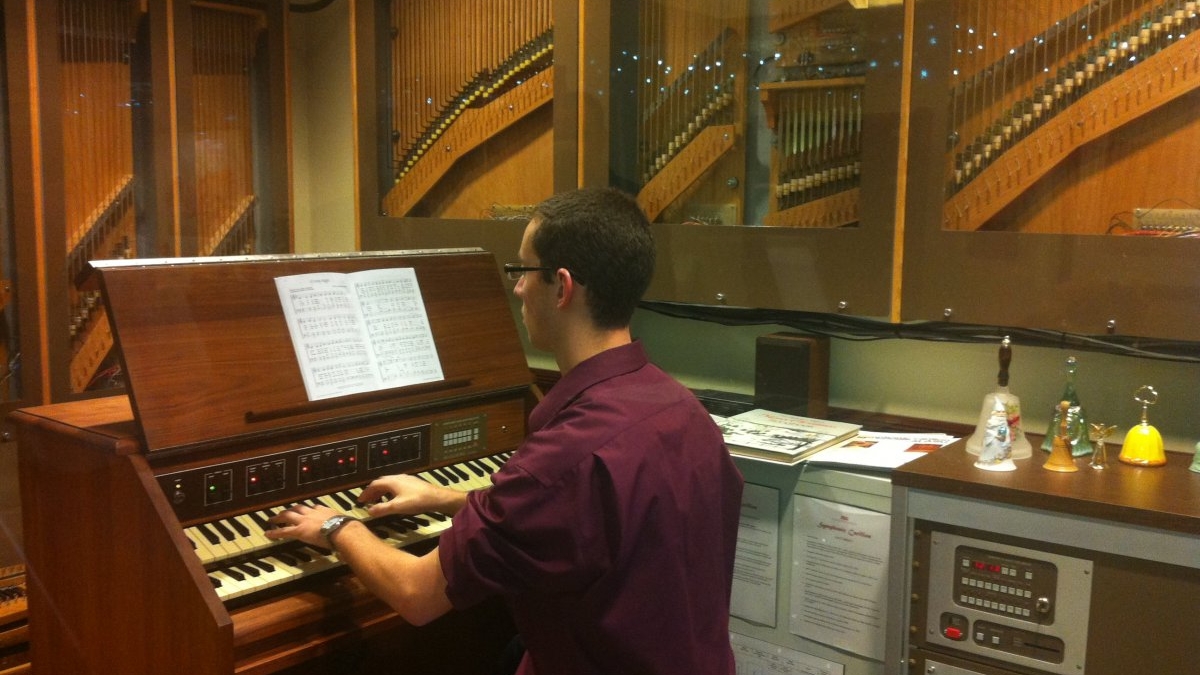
pixel 240 560
pixel 146 511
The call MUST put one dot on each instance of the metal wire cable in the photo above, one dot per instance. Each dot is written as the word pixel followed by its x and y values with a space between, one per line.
pixel 865 329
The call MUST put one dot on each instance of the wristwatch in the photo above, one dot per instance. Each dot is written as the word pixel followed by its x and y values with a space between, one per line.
pixel 335 523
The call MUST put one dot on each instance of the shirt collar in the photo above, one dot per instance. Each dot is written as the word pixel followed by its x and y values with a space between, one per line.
pixel 603 366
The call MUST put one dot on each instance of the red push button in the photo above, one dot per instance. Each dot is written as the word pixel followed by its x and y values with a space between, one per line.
pixel 953 633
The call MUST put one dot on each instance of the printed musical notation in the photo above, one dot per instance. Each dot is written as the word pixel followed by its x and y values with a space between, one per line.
pixel 359 332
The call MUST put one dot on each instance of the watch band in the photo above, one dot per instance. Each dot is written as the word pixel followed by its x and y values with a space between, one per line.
pixel 333 524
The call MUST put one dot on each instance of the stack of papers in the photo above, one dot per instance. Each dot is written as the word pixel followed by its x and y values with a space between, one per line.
pixel 880 450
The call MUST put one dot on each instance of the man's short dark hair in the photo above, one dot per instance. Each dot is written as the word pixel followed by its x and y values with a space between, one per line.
pixel 602 236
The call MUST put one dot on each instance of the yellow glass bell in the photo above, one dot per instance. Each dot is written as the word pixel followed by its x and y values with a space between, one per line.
pixel 1143 444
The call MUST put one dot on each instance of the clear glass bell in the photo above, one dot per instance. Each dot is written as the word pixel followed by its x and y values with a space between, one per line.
pixel 1077 428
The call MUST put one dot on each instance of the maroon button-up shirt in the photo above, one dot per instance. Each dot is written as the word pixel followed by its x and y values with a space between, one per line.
pixel 612 529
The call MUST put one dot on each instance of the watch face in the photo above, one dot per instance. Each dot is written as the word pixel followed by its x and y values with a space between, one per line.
pixel 328 527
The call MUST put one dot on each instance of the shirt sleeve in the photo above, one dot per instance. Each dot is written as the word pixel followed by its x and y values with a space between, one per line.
pixel 540 525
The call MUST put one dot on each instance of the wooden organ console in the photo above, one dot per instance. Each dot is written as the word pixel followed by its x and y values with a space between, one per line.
pixel 1065 94
pixel 144 512
pixel 463 72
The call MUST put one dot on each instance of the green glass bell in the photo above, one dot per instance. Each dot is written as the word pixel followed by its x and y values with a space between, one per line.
pixel 1077 428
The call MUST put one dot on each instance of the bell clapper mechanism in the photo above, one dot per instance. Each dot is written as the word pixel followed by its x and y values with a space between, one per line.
pixel 1143 444
pixel 1021 449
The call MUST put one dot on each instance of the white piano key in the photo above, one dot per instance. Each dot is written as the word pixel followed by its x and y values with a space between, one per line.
pixel 257 538
pixel 203 550
pixel 271 574
pixel 231 587
pixel 221 548
pixel 231 537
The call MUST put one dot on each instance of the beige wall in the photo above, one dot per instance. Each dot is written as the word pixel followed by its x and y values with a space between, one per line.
pixel 322 130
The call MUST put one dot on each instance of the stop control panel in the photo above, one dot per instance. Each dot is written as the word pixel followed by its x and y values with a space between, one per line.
pixel 1014 604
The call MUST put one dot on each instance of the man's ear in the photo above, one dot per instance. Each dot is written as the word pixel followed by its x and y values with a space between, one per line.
pixel 567 287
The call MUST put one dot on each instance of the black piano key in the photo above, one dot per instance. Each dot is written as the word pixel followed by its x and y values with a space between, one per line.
pixel 209 533
pixel 387 534
pixel 342 501
pixel 262 565
pixel 436 516
pixel 234 573
pixel 216 581
pixel 286 559
pixel 302 555
pixel 226 533
pixel 260 518
pixel 241 528
pixel 462 475
pixel 357 499
pixel 476 468
pixel 248 569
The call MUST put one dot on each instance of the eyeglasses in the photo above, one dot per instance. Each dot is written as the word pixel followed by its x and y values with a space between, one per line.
pixel 516 270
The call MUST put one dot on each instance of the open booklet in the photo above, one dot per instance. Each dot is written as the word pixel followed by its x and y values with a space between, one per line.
pixel 359 332
pixel 780 437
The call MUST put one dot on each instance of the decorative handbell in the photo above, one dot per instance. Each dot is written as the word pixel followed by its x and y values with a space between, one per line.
pixel 1061 459
pixel 1143 444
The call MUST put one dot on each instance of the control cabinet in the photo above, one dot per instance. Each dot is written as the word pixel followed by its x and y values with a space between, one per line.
pixel 1034 573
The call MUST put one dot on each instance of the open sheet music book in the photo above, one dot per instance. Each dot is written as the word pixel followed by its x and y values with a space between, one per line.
pixel 780 437
pixel 359 332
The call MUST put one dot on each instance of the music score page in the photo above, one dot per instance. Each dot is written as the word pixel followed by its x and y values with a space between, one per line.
pixel 359 332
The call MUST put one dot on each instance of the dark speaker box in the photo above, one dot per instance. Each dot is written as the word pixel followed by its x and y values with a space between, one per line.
pixel 791 374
